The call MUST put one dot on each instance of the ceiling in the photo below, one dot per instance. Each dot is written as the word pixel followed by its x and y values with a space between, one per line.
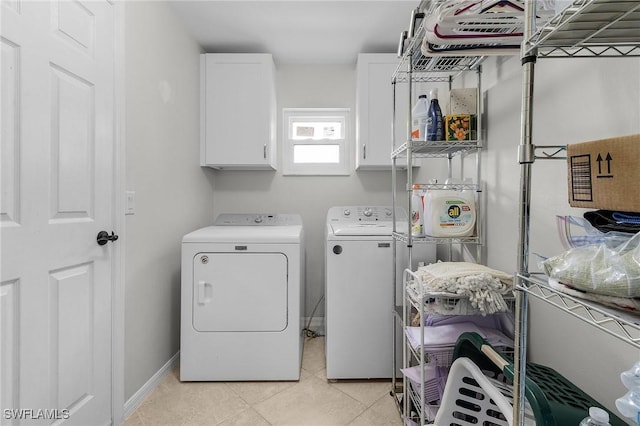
pixel 297 31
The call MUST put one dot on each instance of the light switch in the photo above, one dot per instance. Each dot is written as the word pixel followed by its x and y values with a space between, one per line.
pixel 130 202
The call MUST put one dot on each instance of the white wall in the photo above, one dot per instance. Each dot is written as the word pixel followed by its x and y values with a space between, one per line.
pixel 573 103
pixel 173 194
pixel 575 100
pixel 302 86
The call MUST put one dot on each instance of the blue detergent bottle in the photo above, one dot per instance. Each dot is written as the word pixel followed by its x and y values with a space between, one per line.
pixel 435 122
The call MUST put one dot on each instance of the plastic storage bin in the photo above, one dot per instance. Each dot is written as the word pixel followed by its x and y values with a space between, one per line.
pixel 552 400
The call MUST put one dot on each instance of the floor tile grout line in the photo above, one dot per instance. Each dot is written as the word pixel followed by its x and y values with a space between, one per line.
pixel 293 382
pixel 250 407
pixel 251 404
pixel 313 378
pixel 315 352
pixel 363 403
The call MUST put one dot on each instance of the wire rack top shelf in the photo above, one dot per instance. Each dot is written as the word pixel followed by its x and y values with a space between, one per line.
pixel 435 67
pixel 435 149
pixel 615 322
pixel 590 28
pixel 454 39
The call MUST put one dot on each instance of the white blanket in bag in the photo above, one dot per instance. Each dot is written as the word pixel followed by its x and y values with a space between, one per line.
pixel 483 286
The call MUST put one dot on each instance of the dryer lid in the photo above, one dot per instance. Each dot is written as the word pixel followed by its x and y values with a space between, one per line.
pixel 257 219
pixel 246 235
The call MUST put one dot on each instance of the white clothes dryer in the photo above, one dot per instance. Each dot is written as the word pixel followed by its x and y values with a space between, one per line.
pixel 241 299
pixel 359 290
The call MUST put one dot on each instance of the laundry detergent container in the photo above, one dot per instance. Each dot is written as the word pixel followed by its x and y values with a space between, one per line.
pixel 449 213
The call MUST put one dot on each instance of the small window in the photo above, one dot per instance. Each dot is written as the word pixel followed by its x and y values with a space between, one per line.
pixel 315 141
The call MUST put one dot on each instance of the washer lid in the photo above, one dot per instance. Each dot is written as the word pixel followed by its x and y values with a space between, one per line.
pixel 365 228
pixel 364 220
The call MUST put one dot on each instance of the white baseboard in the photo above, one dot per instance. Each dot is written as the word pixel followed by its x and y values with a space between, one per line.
pixel 316 325
pixel 137 398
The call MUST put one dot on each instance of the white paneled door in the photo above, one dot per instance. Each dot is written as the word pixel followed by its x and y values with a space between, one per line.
pixel 57 194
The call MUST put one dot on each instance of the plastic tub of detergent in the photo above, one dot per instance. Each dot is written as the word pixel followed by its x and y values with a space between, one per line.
pixel 449 213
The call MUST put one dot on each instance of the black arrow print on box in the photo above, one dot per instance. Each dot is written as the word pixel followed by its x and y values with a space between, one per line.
pixel 608 160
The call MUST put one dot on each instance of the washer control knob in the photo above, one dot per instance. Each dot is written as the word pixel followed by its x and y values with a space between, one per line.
pixel 368 212
pixel 387 212
pixel 258 219
pixel 346 212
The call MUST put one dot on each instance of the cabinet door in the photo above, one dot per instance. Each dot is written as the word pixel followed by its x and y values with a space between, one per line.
pixel 374 111
pixel 238 111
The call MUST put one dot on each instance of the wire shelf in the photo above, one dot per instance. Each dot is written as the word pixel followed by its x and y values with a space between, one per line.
pixel 441 66
pixel 430 409
pixel 448 186
pixel 609 320
pixel 436 69
pixel 590 28
pixel 444 149
pixel 400 236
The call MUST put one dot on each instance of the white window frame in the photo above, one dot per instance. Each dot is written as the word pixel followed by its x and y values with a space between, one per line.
pixel 293 115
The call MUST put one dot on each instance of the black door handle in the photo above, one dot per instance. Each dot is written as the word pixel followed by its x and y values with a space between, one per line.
pixel 104 237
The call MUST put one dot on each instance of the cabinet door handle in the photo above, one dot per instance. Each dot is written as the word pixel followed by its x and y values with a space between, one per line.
pixel 264 151
pixel 403 37
pixel 413 24
pixel 364 151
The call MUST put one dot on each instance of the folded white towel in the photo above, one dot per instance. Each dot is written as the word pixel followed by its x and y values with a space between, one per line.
pixel 483 286
pixel 441 272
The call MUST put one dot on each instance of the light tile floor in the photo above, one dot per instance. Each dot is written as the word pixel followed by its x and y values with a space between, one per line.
pixel 312 401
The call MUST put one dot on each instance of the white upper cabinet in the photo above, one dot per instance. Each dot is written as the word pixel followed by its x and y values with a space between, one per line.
pixel 237 111
pixel 374 111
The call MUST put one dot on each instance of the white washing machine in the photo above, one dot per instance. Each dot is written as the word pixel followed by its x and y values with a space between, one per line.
pixel 242 295
pixel 359 290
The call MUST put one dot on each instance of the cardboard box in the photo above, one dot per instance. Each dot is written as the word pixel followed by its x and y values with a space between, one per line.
pixel 460 127
pixel 463 101
pixel 604 174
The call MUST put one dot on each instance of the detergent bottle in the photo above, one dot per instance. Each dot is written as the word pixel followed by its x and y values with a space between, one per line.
pixel 449 212
pixel 417 211
pixel 419 119
pixel 435 122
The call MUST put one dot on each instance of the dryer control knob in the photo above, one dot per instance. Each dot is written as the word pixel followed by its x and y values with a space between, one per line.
pixel 258 219
pixel 368 212
pixel 346 212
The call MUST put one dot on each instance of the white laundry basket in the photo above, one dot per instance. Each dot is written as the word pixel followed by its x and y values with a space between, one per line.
pixel 471 398
pixel 479 391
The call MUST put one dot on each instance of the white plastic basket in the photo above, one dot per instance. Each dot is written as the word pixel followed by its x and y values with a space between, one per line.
pixel 470 398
